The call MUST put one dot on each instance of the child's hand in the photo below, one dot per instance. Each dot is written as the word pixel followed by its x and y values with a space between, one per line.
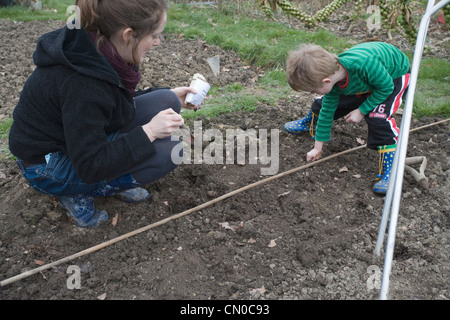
pixel 355 116
pixel 313 155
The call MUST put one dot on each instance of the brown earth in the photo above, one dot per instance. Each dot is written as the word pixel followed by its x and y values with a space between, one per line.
pixel 306 235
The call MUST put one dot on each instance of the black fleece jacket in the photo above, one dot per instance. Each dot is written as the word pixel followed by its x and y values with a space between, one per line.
pixel 70 103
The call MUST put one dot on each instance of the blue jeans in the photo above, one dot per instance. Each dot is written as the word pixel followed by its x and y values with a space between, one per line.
pixel 58 178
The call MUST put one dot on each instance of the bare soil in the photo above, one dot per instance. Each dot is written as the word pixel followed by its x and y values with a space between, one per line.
pixel 307 235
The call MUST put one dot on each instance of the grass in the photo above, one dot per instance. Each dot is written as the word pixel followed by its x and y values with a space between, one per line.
pixel 51 10
pixel 5 126
pixel 432 95
pixel 254 40
pixel 264 44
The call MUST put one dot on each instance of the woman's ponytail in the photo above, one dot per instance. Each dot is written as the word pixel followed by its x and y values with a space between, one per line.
pixel 88 14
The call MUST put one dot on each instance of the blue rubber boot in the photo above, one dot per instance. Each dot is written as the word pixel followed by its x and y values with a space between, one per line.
pixel 135 195
pixel 80 207
pixel 308 123
pixel 386 159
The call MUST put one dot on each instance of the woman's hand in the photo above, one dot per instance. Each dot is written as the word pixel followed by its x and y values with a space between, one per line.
pixel 164 124
pixel 181 93
pixel 355 116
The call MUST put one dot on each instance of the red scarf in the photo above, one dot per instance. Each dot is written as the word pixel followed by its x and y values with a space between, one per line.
pixel 128 73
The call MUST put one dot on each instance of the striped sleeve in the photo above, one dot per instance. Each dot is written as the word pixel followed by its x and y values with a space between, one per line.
pixel 324 123
pixel 375 73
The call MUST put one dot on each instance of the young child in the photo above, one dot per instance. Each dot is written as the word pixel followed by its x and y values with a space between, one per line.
pixel 367 81
pixel 81 130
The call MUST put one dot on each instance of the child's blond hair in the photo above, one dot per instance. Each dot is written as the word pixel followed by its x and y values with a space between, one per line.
pixel 308 65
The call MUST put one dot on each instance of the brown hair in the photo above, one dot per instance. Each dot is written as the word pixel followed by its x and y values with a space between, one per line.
pixel 106 17
pixel 308 65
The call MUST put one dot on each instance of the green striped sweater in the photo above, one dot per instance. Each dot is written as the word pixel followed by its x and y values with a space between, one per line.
pixel 370 66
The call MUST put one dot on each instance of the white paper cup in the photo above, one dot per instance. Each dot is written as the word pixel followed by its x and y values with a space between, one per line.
pixel 202 88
